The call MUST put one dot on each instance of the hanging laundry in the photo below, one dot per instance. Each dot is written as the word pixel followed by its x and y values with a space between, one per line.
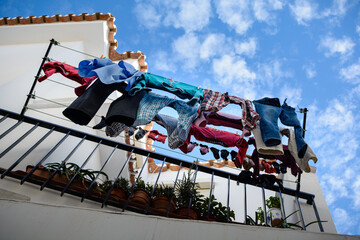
pixel 114 129
pixel 124 109
pixel 268 166
pixel 170 124
pixel 84 108
pixel 219 137
pixel 140 133
pixel 152 103
pixel 182 90
pixel 204 149
pixel 270 111
pixel 303 163
pixel 191 146
pixel 215 101
pixel 156 136
pixel 215 152
pixel 224 154
pixel 221 119
pixel 69 72
pixel 101 124
pixel 261 147
pixel 131 131
pixel 248 163
pixel 109 72
pixel 286 159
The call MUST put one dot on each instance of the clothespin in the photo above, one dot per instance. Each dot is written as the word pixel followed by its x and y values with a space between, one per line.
pixel 174 97
pixel 208 89
pixel 198 87
pixel 214 128
pixel 171 79
pixel 237 132
pixel 102 55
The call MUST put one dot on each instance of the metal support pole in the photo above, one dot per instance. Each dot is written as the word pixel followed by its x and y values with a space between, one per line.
pixel 173 190
pixel 210 196
pixel 245 203
pixel 301 215
pixel 52 41
pixel 264 204
pixel 317 216
pixel 228 201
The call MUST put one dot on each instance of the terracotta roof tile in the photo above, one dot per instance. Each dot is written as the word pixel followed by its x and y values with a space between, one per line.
pixel 113 54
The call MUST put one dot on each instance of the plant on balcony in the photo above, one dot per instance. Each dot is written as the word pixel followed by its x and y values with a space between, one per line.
pixel 65 172
pixel 120 191
pixel 186 190
pixel 141 194
pixel 216 212
pixel 164 195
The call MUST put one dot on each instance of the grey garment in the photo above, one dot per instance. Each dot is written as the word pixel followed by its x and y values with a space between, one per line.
pixel 170 124
pixel 114 129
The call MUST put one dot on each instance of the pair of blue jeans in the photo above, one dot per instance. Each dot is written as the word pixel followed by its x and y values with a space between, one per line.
pixel 270 111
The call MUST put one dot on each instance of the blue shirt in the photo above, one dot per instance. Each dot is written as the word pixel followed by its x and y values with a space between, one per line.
pixel 109 72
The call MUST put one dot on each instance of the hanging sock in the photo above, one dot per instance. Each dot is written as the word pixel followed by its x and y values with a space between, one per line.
pixel 204 149
pixel 114 129
pixel 283 168
pixel 101 124
pixel 140 133
pixel 131 131
pixel 233 155
pixel 224 154
pixel 156 136
pixel 248 163
pixel 191 146
pixel 277 167
pixel 215 152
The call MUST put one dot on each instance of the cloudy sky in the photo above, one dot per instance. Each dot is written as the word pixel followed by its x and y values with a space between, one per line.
pixel 305 51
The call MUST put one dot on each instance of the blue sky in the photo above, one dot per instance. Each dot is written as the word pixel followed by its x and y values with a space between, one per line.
pixel 306 51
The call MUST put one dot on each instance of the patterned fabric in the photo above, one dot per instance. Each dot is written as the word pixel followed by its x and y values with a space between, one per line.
pixel 152 103
pixel 114 129
pixel 215 101
pixel 249 116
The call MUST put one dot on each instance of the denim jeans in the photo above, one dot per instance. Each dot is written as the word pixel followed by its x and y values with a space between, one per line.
pixel 270 111
pixel 170 124
pixel 182 90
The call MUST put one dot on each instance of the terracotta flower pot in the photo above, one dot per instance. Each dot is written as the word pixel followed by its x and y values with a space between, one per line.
pixel 182 212
pixel 140 197
pixel 161 204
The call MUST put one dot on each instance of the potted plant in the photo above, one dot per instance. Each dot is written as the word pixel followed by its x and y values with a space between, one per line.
pixel 120 191
pixel 273 217
pixel 217 211
pixel 186 189
pixel 164 196
pixel 141 194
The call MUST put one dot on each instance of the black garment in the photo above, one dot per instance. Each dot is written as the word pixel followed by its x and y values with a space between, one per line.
pixel 140 133
pixel 224 154
pixel 233 155
pixel 101 124
pixel 124 109
pixel 215 152
pixel 84 108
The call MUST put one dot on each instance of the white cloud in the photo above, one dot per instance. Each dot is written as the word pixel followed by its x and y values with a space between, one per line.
pixel 186 49
pixel 190 15
pixel 351 74
pixel 271 73
pixel 358 29
pixel 332 46
pixel 235 13
pixel 293 95
pixel 356 192
pixel 334 187
pixel 342 220
pixel 338 9
pixel 147 15
pixel 262 9
pixel 233 73
pixel 303 11
pixel 310 70
pixel 213 45
pixel 163 62
pixel 247 48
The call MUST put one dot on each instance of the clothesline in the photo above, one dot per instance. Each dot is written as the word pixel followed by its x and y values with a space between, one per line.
pixel 56 43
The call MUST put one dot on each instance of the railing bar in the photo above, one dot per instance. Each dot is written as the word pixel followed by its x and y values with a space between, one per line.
pixel 52 41
pixel 153 191
pixel 245 203
pixel 192 191
pixel 28 152
pixel 19 140
pixel 10 129
pixel 45 157
pixel 317 216
pixel 301 215
pixel 100 171
pixel 77 172
pixel 210 196
pixel 228 201
pixel 117 177
pixel 265 212
pixel 137 180
pixel 3 118
pixel 63 162
pixel 282 206
pixel 177 176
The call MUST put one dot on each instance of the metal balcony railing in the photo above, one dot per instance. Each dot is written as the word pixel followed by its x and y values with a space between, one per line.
pixel 18 120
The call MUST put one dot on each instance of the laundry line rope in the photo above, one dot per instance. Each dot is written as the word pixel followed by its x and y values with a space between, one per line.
pixel 56 43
